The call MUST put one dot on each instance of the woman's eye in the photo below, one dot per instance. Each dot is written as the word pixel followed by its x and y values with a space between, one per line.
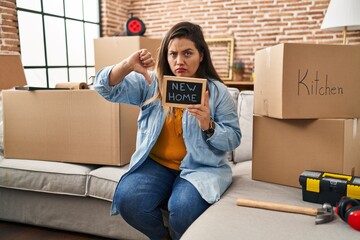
pixel 188 54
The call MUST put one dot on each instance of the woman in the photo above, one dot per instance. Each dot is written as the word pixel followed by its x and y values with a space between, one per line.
pixel 180 159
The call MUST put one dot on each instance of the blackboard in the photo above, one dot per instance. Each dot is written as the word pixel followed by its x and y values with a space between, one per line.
pixel 182 91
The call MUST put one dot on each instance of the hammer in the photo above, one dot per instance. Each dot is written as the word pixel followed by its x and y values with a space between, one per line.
pixel 322 215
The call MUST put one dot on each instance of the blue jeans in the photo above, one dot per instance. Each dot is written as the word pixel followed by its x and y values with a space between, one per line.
pixel 152 187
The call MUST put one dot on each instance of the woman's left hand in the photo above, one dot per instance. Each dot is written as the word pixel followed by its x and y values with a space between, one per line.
pixel 201 112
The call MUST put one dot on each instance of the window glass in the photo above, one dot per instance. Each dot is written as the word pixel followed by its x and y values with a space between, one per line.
pixel 55 7
pixel 77 74
pixel 29 4
pixel 55 41
pixel 36 77
pixel 31 39
pixel 75 42
pixel 91 11
pixel 91 32
pixel 73 9
pixel 57 75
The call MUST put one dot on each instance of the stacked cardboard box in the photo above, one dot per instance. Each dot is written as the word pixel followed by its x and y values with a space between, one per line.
pixel 111 50
pixel 306 110
pixel 10 77
pixel 77 126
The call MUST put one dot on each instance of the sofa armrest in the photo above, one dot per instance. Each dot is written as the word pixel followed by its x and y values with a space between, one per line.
pixel 245 113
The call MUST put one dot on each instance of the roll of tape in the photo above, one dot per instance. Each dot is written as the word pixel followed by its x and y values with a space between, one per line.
pixel 72 85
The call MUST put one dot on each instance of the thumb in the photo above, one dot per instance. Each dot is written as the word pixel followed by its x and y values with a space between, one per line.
pixel 147 76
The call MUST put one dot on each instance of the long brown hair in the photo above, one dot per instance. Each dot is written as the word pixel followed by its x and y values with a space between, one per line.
pixel 194 33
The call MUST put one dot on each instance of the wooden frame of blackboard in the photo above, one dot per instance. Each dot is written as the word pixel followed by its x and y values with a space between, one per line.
pixel 187 84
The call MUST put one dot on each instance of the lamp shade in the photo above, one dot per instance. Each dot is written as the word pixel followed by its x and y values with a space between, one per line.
pixel 341 14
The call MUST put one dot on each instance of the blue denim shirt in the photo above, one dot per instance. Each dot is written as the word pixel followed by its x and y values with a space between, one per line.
pixel 205 164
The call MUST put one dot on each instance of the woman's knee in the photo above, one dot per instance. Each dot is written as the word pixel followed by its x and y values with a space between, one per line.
pixel 125 201
pixel 185 206
pixel 131 202
pixel 186 211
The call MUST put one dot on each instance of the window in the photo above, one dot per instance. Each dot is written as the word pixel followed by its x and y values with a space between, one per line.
pixel 56 40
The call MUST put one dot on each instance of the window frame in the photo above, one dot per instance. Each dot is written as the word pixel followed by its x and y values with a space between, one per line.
pixel 69 67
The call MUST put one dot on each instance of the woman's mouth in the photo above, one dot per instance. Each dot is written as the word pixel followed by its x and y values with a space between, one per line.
pixel 180 70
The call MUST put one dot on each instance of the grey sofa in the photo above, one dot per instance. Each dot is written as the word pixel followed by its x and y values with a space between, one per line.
pixel 77 197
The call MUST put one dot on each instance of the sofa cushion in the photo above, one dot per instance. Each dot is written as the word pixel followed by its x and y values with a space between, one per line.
pixel 44 176
pixel 234 92
pixel 226 220
pixel 245 111
pixel 102 181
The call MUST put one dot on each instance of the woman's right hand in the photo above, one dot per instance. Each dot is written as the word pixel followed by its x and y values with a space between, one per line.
pixel 143 61
pixel 139 62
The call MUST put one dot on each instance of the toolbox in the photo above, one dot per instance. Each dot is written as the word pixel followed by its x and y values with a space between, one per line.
pixel 325 187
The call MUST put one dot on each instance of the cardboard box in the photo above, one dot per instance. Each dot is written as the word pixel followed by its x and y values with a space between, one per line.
pixel 11 72
pixel 68 126
pixel 111 50
pixel 283 149
pixel 11 75
pixel 303 81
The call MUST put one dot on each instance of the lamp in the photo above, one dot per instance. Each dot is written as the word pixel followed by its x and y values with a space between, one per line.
pixel 342 15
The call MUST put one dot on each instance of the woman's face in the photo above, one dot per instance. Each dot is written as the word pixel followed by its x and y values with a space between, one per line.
pixel 183 57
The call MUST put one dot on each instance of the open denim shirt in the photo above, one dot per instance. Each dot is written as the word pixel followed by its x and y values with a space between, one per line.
pixel 205 164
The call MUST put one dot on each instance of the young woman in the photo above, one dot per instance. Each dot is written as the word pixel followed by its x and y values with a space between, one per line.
pixel 180 160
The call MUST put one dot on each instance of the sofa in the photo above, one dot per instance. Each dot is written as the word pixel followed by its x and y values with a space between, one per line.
pixel 77 197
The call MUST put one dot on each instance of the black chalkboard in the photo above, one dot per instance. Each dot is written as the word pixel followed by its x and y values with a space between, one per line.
pixel 181 91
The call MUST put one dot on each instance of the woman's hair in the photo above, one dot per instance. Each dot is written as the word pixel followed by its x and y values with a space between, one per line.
pixel 192 32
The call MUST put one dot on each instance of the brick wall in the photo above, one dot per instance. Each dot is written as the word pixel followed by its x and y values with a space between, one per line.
pixel 114 14
pixel 254 24
pixel 9 35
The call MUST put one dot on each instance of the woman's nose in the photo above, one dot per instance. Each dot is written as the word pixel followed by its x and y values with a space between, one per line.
pixel 179 59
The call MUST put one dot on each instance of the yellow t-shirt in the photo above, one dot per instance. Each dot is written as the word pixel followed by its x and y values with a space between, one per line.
pixel 169 149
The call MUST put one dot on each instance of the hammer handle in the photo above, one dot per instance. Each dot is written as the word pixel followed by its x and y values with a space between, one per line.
pixel 276 207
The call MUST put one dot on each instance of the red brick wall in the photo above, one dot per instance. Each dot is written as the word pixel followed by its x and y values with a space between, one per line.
pixel 114 14
pixel 9 35
pixel 254 24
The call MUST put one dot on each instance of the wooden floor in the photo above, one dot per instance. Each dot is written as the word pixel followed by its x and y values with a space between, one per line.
pixel 16 231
